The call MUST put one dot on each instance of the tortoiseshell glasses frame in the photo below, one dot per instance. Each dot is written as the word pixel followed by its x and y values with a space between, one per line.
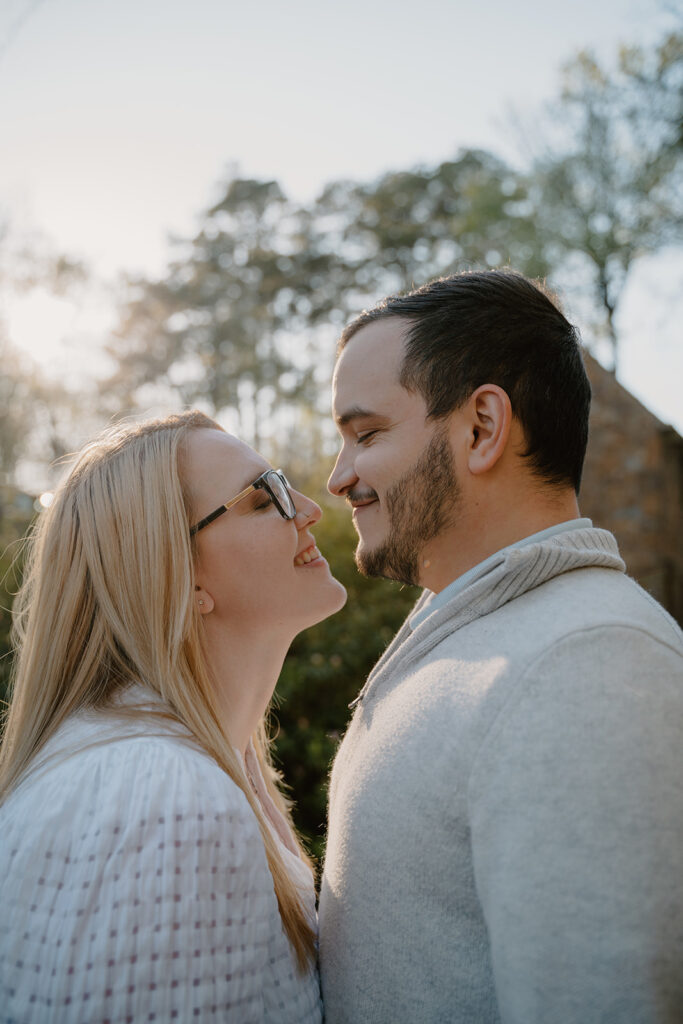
pixel 274 482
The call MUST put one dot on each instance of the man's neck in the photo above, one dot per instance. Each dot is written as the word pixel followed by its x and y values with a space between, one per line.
pixel 478 533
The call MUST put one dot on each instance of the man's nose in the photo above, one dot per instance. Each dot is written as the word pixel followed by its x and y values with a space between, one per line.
pixel 342 477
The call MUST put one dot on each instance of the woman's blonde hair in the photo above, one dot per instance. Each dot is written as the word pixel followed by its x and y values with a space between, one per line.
pixel 107 599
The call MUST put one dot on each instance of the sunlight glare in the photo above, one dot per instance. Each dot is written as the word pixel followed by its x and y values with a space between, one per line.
pixel 38 324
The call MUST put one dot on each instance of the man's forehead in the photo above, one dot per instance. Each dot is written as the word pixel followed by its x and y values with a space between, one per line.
pixel 372 357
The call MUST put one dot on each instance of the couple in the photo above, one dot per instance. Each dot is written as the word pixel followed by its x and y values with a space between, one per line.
pixel 506 808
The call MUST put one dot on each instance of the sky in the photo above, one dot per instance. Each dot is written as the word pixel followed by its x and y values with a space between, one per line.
pixel 120 118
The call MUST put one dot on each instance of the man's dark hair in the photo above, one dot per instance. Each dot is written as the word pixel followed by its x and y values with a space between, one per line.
pixel 497 327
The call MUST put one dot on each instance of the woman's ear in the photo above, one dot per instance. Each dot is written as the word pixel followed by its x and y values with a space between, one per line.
pixel 490 421
pixel 203 600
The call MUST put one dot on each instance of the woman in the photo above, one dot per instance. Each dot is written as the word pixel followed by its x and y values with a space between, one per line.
pixel 148 865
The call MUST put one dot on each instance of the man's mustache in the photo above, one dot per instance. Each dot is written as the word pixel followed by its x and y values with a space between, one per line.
pixel 353 497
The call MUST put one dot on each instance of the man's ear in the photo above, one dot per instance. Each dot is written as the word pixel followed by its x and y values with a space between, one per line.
pixel 203 600
pixel 490 418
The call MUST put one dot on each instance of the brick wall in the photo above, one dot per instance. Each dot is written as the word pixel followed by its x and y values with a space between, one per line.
pixel 633 486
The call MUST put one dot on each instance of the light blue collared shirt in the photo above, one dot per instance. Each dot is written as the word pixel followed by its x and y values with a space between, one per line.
pixel 477 571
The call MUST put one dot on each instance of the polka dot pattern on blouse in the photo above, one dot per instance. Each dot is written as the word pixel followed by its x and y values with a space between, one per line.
pixel 135 887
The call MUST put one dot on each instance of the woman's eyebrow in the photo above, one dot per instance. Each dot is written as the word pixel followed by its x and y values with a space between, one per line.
pixel 254 476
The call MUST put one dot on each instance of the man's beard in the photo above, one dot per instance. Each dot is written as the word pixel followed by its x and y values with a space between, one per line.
pixel 419 506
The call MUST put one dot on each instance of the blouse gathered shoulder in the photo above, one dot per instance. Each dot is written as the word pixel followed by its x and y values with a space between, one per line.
pixel 134 886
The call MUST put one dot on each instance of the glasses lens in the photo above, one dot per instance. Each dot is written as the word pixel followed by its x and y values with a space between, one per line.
pixel 278 485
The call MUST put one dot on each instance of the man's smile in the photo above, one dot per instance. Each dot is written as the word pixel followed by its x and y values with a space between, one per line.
pixel 358 500
pixel 360 508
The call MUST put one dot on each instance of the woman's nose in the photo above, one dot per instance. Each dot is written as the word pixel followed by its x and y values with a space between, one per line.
pixel 307 511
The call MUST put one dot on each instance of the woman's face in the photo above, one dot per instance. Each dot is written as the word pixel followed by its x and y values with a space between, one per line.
pixel 255 570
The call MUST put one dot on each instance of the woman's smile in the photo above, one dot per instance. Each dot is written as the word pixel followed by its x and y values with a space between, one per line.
pixel 309 556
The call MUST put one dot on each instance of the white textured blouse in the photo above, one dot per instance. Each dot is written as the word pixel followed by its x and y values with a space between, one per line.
pixel 134 887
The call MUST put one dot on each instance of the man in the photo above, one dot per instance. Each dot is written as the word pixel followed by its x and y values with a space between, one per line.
pixel 506 809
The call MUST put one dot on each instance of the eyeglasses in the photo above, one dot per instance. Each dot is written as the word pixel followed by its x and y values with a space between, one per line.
pixel 274 482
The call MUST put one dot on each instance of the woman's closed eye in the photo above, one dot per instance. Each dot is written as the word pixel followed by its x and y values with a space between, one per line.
pixel 264 501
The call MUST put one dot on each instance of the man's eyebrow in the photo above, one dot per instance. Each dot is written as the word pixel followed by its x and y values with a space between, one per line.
pixel 356 412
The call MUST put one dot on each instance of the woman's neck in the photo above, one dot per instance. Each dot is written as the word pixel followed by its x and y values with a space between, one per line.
pixel 245 670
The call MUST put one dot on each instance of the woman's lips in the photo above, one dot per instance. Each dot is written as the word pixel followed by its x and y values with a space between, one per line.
pixel 310 556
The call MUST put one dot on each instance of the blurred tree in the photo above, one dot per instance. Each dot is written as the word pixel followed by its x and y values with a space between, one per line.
pixel 244 318
pixel 16 385
pixel 410 226
pixel 34 410
pixel 28 259
pixel 41 419
pixel 36 418
pixel 16 513
pixel 214 329
pixel 610 189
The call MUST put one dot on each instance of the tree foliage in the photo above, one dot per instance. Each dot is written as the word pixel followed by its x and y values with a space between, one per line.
pixel 16 513
pixel 244 318
pixel 211 330
pixel 610 189
pixel 238 323
pixel 40 418
pixel 34 410
pixel 410 226
pixel 16 388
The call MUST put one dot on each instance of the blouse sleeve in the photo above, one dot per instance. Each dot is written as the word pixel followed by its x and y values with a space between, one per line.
pixel 154 898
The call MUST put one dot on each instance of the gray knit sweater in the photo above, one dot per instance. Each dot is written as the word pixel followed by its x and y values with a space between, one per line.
pixel 506 809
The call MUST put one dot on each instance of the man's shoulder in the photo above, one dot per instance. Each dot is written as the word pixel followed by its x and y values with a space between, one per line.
pixel 594 598
pixel 567 605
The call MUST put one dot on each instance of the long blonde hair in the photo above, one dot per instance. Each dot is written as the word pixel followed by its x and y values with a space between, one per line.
pixel 107 599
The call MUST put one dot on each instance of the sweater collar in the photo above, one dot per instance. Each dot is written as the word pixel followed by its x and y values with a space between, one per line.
pixel 512 572
pixel 432 602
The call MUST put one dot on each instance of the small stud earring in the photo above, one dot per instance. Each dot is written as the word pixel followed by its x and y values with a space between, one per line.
pixel 200 601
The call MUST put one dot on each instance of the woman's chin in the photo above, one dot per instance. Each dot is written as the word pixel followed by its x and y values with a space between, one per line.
pixel 334 601
pixel 342 595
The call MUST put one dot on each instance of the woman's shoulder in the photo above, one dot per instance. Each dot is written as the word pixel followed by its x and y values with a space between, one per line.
pixel 140 806
pixel 104 766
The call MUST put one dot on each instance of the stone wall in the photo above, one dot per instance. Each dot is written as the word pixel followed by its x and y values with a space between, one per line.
pixel 633 486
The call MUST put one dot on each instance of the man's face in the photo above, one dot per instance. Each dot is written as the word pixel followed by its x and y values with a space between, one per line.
pixel 395 467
